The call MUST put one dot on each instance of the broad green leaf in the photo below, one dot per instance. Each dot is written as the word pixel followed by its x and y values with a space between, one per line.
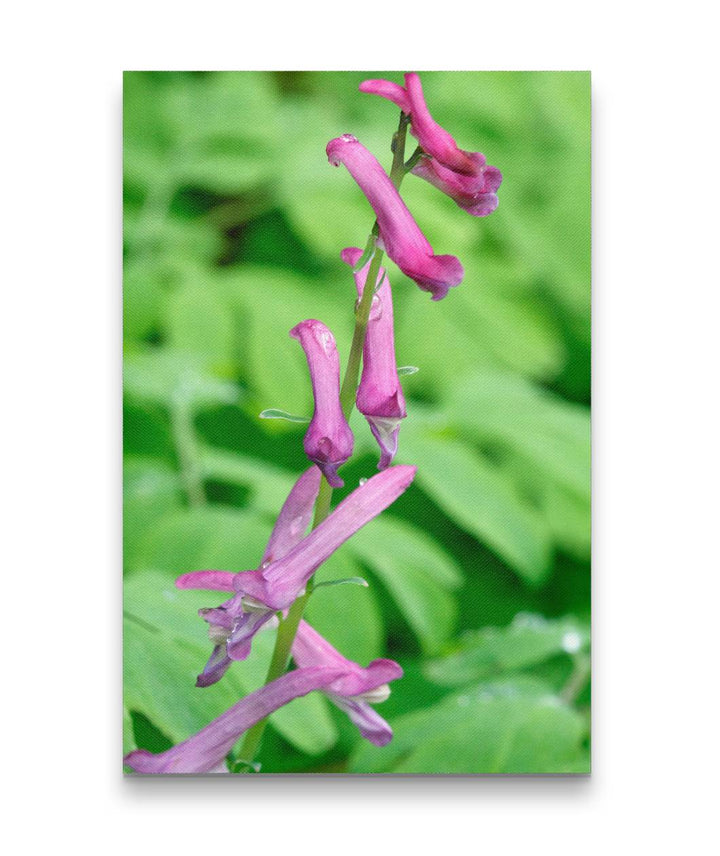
pixel 551 435
pixel 349 616
pixel 207 537
pixel 481 499
pixel 128 733
pixel 530 639
pixel 268 484
pixel 271 302
pixel 198 320
pixel 150 490
pixel 171 378
pixel 512 726
pixel 416 571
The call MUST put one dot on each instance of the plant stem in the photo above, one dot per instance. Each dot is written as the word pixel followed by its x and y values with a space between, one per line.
pixel 289 625
pixel 181 419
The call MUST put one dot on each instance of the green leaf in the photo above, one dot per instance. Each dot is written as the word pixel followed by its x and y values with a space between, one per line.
pixel 206 537
pixel 551 435
pixel 273 413
pixel 481 499
pixel 198 320
pixel 269 485
pixel 151 489
pixel 128 733
pixel 529 640
pixel 271 302
pixel 417 572
pixel 170 378
pixel 355 581
pixel 349 617
pixel 512 726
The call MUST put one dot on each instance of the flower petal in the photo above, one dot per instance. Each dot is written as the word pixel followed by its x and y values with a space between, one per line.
pixel 475 193
pixel 288 576
pixel 387 89
pixel 433 138
pixel 211 580
pixel 379 397
pixel 400 235
pixel 371 725
pixel 295 516
pixel 205 751
pixel 312 649
pixel 329 440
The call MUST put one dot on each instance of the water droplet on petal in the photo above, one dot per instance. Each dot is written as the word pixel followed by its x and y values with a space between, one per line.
pixel 297 525
pixel 362 482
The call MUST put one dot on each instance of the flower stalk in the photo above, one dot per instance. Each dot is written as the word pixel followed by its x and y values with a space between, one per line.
pixel 288 627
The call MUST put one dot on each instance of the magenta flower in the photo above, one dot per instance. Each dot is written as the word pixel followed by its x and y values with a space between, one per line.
pixel 476 193
pixel 400 235
pixel 261 593
pixel 356 689
pixel 205 751
pixel 379 396
pixel 464 176
pixel 329 440
pixel 234 623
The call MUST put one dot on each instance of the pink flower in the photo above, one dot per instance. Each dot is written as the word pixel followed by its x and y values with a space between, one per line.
pixel 379 397
pixel 356 689
pixel 329 440
pixel 464 176
pixel 261 593
pixel 400 235
pixel 205 751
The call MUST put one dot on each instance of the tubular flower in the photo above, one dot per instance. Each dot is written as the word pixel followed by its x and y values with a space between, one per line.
pixel 329 440
pixel 400 235
pixel 379 396
pixel 234 623
pixel 261 593
pixel 205 751
pixel 357 687
pixel 464 176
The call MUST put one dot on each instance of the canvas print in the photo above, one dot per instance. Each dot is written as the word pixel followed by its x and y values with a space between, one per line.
pixel 356 422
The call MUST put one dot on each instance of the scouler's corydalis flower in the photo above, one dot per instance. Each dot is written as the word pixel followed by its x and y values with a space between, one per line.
pixel 357 688
pixel 400 235
pixel 464 176
pixel 379 396
pixel 329 440
pixel 205 751
pixel 261 593
pixel 233 624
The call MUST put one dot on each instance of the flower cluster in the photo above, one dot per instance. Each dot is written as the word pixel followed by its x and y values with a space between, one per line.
pixel 263 596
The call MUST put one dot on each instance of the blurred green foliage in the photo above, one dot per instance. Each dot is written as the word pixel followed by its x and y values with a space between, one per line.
pixel 479 574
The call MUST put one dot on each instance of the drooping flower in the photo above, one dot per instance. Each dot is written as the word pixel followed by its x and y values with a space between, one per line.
pixel 261 593
pixel 379 397
pixel 329 440
pixel 464 176
pixel 357 689
pixel 476 193
pixel 400 235
pixel 206 750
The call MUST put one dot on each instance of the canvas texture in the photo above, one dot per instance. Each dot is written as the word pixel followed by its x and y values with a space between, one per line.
pixel 356 423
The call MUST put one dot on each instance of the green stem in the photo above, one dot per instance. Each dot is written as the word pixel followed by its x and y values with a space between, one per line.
pixel 181 419
pixel 289 625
